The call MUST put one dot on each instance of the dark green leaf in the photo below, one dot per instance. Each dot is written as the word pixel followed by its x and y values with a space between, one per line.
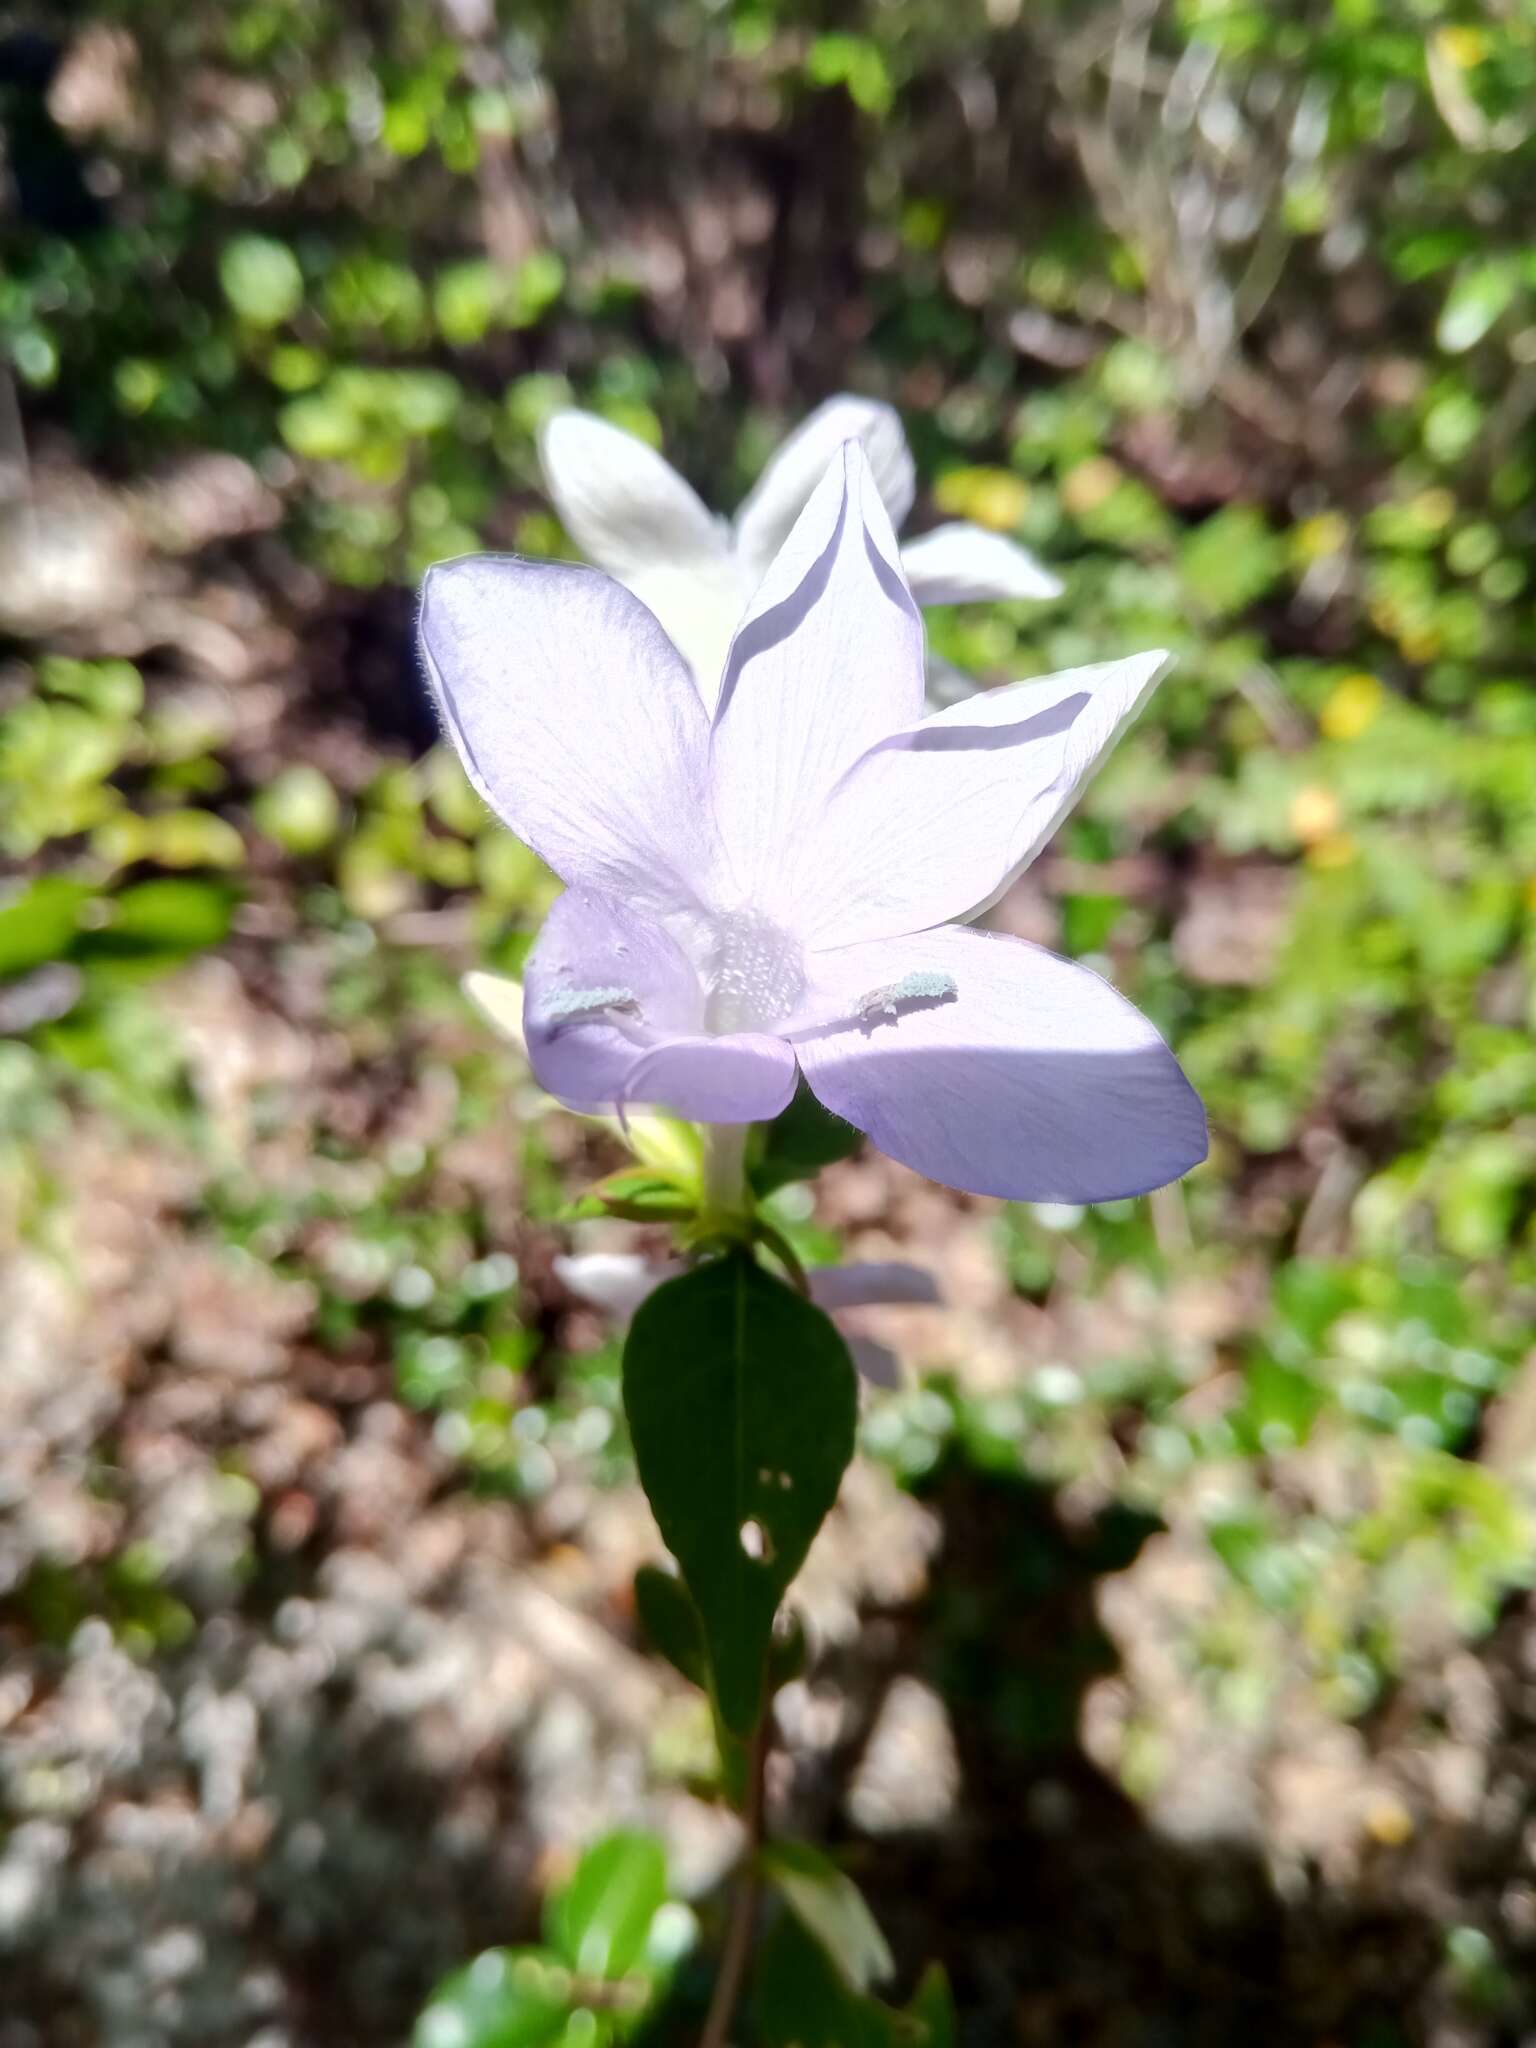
pixel 741 1400
pixel 505 1998
pixel 933 2008
pixel 671 1621
pixel 788 1653
pixel 800 1142
pixel 600 1920
pixel 39 923
pixel 830 1906
pixel 801 1999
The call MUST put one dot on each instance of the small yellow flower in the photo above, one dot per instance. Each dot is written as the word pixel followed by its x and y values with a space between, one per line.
pixel 994 498
pixel 1351 707
pixel 1314 813
pixel 1388 1821
pixel 1327 533
pixel 1461 46
pixel 1085 488
pixel 1337 850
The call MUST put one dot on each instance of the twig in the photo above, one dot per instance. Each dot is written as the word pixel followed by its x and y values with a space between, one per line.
pixel 738 1934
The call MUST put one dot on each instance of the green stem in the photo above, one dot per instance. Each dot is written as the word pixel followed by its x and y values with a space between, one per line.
pixel 726 1200
pixel 737 1951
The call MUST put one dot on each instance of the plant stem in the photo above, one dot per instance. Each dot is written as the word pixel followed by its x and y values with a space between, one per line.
pixel 725 1172
pixel 738 1934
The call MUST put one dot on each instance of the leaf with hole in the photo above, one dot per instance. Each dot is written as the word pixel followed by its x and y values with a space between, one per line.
pixel 741 1400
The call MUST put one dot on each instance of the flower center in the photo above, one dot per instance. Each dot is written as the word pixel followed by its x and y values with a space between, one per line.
pixel 753 974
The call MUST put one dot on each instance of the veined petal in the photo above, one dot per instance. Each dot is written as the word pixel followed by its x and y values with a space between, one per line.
pixel 1033 1079
pixel 827 661
pixel 797 466
pixel 965 564
pixel 577 721
pixel 935 822
pixel 624 505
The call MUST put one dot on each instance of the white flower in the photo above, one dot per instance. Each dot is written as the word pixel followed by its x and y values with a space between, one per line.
pixel 630 513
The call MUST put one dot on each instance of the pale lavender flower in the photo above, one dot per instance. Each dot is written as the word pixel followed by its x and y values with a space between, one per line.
pixel 764 887
pixel 617 1283
pixel 630 513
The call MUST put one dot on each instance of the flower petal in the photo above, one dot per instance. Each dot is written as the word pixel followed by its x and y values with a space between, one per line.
pixel 746 1077
pixel 602 987
pixel 797 466
pixel 630 512
pixel 827 661
pixel 873 1362
pixel 615 1282
pixel 1034 1079
pixel 965 564
pixel 499 999
pixel 612 1013
pixel 624 505
pixel 576 720
pixel 872 1283
pixel 936 821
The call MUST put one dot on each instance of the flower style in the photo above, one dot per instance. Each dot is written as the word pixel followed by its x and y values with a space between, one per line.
pixel 617 1283
pixel 764 886
pixel 630 513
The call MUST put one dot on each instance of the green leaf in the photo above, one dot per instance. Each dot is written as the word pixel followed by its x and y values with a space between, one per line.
pixel 639 1194
pixel 933 2009
pixel 1481 295
pixel 39 923
pixel 161 918
pixel 788 1653
pixel 741 1400
pixel 800 1142
pixel 261 279
pixel 1230 560
pixel 505 1998
pixel 600 1920
pixel 671 1621
pixel 801 2000
pixel 830 1905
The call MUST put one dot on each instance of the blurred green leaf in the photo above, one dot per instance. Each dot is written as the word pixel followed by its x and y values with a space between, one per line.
pixel 505 1998
pixel 38 922
pixel 671 1622
pixel 600 1920
pixel 831 1907
pixel 1480 297
pixel 261 279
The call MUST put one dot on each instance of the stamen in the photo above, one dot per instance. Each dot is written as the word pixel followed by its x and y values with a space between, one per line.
pixel 560 1005
pixel 926 985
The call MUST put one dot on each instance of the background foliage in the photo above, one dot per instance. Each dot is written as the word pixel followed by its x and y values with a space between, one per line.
pixel 1227 310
